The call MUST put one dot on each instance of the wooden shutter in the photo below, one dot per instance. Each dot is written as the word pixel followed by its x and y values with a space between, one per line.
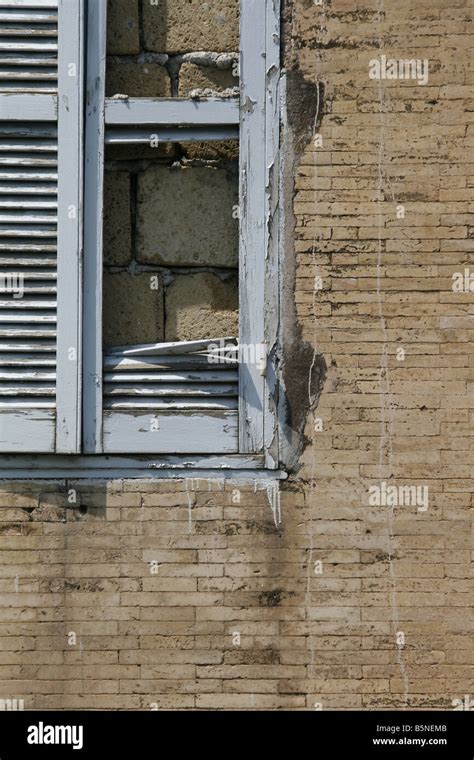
pixel 172 397
pixel 40 224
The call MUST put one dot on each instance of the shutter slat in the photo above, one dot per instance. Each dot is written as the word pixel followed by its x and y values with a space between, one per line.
pixel 170 404
pixel 27 231
pixel 34 402
pixel 25 332
pixel 29 203
pixel 28 60
pixel 29 375
pixel 169 377
pixel 18 16
pixel 33 275
pixel 10 316
pixel 175 348
pixel 21 348
pixel 28 145
pixel 21 303
pixel 42 46
pixel 44 290
pixel 11 188
pixel 26 29
pixel 28 217
pixel 152 389
pixel 43 175
pixel 27 360
pixel 33 160
pixel 186 362
pixel 27 389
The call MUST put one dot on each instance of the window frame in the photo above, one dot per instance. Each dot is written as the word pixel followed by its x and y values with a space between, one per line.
pixel 258 119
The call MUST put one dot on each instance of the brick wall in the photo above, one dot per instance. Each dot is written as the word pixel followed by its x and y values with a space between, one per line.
pixel 192 595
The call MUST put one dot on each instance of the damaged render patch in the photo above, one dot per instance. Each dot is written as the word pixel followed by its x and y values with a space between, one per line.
pixel 303 368
pixel 304 105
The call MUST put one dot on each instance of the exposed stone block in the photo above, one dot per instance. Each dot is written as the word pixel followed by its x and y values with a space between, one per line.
pixel 138 80
pixel 133 308
pixel 185 217
pixel 123 33
pixel 194 77
pixel 117 219
pixel 187 25
pixel 201 305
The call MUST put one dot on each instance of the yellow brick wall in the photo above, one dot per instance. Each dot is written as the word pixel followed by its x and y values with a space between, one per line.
pixel 383 206
pixel 190 595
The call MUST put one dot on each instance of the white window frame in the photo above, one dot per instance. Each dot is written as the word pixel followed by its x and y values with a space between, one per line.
pixel 257 121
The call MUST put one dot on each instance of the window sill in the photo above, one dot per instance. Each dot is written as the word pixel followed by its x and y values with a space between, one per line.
pixel 238 466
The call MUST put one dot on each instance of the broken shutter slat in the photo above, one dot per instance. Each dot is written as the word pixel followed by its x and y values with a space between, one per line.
pixel 175 363
pixel 168 377
pixel 182 404
pixel 188 347
pixel 32 157
pixel 162 389
pixel 168 382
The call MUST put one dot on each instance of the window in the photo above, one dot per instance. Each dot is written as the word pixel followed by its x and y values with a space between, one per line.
pixel 63 391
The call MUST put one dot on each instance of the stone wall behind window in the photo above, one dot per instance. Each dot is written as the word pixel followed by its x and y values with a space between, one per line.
pixel 171 211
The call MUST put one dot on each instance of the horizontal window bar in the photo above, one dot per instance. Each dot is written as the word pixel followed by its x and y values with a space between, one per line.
pixel 172 112
pixel 156 135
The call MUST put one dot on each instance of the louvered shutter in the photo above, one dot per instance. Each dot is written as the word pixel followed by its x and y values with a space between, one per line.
pixel 172 398
pixel 40 224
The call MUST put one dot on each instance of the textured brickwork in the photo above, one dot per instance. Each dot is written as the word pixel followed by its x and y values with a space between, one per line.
pixel 192 595
pixel 383 195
